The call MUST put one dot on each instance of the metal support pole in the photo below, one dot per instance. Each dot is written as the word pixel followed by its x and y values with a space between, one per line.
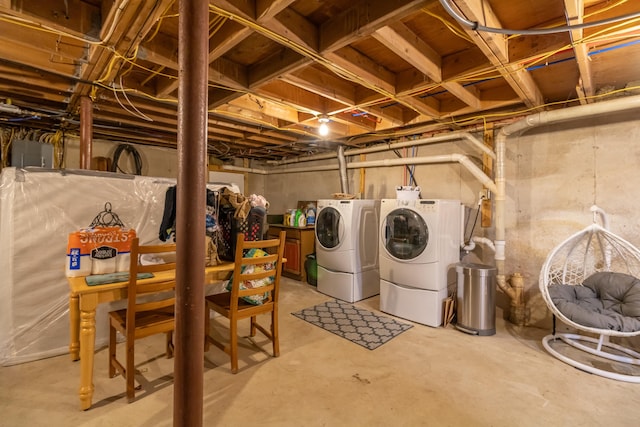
pixel 86 131
pixel 193 48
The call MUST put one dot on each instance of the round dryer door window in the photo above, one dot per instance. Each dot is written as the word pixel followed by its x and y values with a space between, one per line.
pixel 405 234
pixel 329 228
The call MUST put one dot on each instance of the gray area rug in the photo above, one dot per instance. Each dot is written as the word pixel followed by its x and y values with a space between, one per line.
pixel 355 324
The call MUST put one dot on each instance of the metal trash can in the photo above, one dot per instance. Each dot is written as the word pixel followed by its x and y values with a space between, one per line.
pixel 476 299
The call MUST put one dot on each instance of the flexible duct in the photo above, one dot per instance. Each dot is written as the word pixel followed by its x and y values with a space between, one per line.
pixel 479 240
pixel 344 179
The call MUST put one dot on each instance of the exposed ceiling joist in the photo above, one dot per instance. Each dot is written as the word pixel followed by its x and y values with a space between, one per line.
pixel 376 69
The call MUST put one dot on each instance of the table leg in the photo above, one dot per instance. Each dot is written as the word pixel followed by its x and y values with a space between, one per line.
pixel 74 320
pixel 88 304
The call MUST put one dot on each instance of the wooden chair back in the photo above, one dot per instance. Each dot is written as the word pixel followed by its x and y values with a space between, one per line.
pixel 139 302
pixel 254 290
pixel 150 306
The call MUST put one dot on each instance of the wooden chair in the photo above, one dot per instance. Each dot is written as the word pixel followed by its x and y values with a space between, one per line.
pixel 234 305
pixel 150 309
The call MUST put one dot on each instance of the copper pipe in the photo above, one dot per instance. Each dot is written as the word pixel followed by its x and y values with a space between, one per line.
pixel 86 132
pixel 193 48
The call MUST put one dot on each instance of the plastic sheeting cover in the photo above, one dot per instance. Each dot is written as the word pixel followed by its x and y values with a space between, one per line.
pixel 38 210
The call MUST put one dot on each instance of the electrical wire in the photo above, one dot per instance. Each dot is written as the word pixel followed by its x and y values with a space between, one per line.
pixel 407 169
pixel 475 25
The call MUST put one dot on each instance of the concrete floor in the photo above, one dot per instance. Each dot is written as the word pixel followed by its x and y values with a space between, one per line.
pixel 424 377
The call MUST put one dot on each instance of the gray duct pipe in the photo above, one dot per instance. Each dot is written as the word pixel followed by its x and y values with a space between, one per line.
pixel 342 162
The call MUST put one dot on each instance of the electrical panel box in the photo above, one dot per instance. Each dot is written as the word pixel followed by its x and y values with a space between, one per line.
pixel 31 153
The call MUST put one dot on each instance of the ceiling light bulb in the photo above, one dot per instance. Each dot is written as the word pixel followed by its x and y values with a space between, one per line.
pixel 323 130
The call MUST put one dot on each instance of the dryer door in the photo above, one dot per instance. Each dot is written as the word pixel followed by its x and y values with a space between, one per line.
pixel 405 234
pixel 330 228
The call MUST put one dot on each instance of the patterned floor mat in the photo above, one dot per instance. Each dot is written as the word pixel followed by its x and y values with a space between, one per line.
pixel 355 324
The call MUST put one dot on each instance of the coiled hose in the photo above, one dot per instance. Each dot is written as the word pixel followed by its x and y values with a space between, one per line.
pixel 134 153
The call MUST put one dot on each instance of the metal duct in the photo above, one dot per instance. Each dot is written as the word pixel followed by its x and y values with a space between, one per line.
pixel 344 180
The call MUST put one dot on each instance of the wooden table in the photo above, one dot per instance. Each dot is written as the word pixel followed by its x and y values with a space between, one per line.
pixel 83 301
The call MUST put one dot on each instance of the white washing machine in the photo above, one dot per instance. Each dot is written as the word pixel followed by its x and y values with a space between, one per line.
pixel 347 248
pixel 419 247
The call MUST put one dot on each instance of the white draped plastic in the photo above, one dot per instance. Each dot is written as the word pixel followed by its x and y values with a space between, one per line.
pixel 38 210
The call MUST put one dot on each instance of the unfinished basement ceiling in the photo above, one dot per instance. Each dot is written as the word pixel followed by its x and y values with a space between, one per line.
pixel 377 70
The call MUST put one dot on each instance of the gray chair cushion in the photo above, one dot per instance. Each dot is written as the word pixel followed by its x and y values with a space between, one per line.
pixel 606 300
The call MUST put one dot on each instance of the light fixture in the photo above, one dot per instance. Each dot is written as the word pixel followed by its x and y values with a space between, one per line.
pixel 323 130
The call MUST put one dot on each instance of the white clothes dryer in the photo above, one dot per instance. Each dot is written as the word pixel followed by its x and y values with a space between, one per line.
pixel 419 247
pixel 347 248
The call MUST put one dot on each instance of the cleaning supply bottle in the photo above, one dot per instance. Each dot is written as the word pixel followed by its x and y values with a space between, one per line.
pixel 300 219
pixel 311 214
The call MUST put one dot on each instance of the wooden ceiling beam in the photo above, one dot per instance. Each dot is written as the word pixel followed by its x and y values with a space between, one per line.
pixel 323 83
pixel 162 50
pixel 405 43
pixel 361 19
pixel 297 98
pixel 575 15
pixel 363 70
pixel 293 27
pixel 236 109
pixel 75 17
pixel 167 120
pixel 363 121
pixel 226 38
pixel 243 8
pixel 37 100
pixel 8 52
pixel 495 47
pixel 427 106
pixel 393 114
pixel 228 73
pixel 267 9
pixel 283 62
pixel 49 82
pixel 134 23
pixel 59 49
pixel 264 110
pixel 223 40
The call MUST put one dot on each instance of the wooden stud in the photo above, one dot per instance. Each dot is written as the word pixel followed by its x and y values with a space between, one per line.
pixel 487 168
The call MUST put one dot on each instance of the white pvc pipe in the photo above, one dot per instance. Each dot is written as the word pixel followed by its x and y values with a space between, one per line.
pixel 484 241
pixel 243 169
pixel 445 158
pixel 394 146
